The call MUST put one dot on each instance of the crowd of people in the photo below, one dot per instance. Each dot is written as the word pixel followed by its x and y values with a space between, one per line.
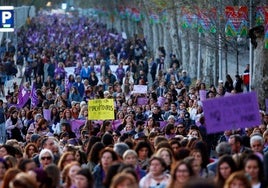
pixel 159 138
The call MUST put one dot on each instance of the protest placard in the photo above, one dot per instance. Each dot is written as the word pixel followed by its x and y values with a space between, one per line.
pixel 232 112
pixel 142 89
pixel 142 100
pixel 101 109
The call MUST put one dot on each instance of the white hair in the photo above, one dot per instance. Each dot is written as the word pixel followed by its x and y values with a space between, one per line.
pixel 43 151
pixel 255 138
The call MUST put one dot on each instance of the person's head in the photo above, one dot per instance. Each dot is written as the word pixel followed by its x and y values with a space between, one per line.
pixel 181 173
pixel 223 148
pixel 3 168
pixel 26 165
pixel 7 150
pixel 46 157
pixel 84 179
pixel 48 143
pixel 124 180
pixel 41 177
pixel 143 150
pixel 225 167
pixel 253 166
pixel 69 172
pixel 107 156
pixel 157 166
pixel 236 143
pixel 130 157
pixel 9 176
pixel 23 180
pixel 166 154
pixel 237 179
pixel 257 143
pixel 65 159
pixel 120 148
pixel 53 173
pixel 30 149
pixel 175 145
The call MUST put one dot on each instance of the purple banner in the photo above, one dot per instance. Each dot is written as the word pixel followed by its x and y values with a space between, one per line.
pixel 47 114
pixel 76 124
pixel 142 101
pixel 202 95
pixel 230 113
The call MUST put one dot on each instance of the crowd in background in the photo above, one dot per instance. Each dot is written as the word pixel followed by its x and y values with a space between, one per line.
pixel 155 144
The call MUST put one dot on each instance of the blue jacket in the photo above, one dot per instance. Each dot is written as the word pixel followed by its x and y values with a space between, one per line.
pixel 98 175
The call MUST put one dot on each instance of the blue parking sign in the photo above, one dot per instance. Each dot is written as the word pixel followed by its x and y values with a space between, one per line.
pixel 7 19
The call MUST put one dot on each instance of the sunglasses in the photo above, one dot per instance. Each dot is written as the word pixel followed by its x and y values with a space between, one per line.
pixel 47 158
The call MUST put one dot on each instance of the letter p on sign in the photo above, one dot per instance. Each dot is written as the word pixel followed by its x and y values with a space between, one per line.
pixel 7 19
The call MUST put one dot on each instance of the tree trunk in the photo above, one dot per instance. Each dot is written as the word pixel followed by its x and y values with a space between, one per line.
pixel 185 49
pixel 192 64
pixel 260 73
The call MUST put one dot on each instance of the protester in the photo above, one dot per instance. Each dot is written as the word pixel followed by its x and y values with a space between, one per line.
pixel 79 59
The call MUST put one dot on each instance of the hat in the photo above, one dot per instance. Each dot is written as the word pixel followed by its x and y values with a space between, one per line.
pixel 34 137
pixel 184 71
pixel 139 135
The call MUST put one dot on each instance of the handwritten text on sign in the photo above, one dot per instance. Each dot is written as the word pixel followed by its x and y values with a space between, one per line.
pixel 232 112
pixel 101 109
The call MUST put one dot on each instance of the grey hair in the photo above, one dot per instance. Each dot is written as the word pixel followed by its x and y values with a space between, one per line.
pixel 255 138
pixel 129 152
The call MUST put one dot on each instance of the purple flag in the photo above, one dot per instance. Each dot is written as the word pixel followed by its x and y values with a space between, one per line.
pixel 116 123
pixel 161 101
pixel 230 113
pixel 23 96
pixel 202 95
pixel 76 124
pixel 34 97
pixel 47 114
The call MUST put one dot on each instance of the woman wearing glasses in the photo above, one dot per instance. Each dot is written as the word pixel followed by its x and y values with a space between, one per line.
pixel 46 157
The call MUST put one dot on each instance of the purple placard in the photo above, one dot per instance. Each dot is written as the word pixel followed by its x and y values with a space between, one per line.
pixel 233 112
pixel 161 101
pixel 142 101
pixel 266 105
pixel 202 95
